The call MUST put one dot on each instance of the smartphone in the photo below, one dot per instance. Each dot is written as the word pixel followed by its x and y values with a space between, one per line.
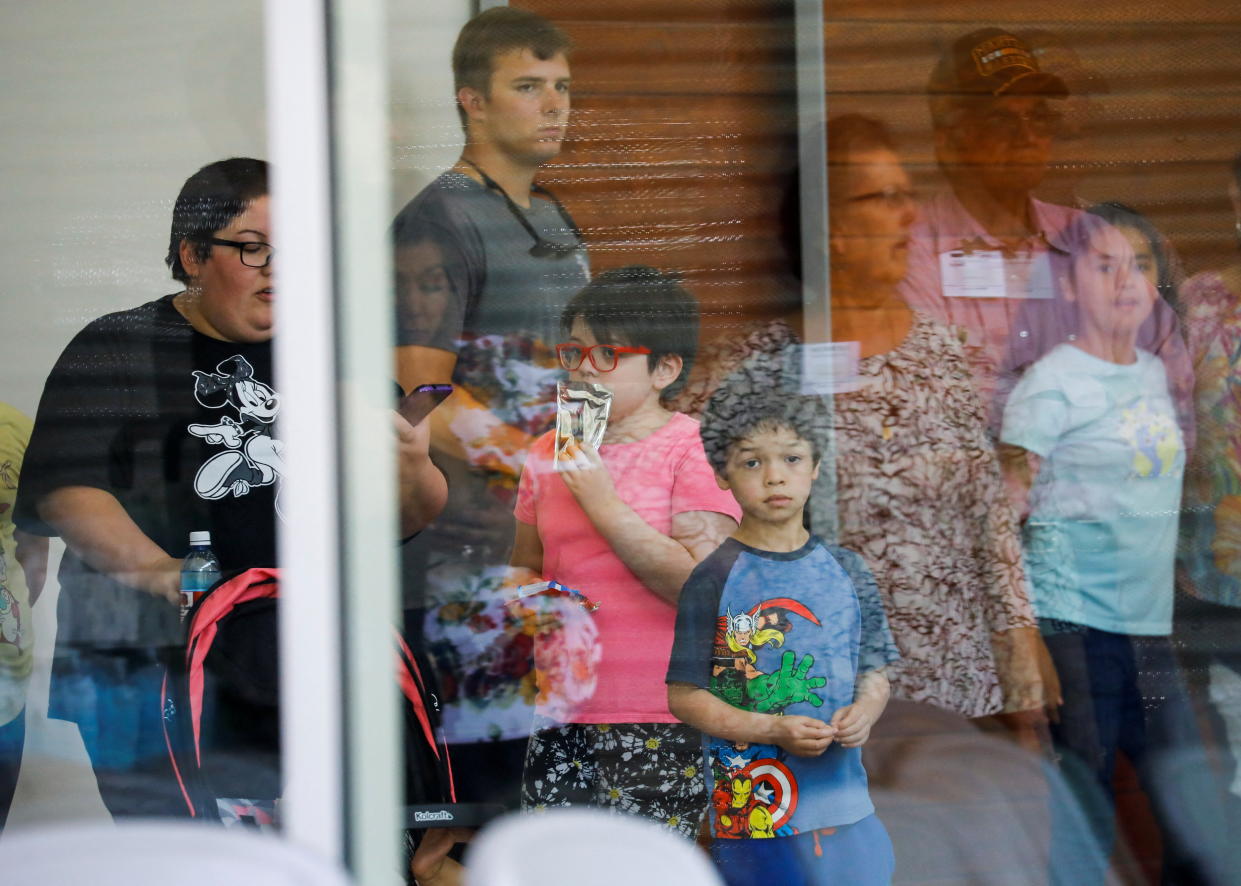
pixel 418 403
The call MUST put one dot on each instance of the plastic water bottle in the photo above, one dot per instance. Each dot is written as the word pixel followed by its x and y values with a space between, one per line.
pixel 199 571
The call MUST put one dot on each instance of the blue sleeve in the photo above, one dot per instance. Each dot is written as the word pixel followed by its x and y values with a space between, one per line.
pixel 697 612
pixel 1036 414
pixel 876 647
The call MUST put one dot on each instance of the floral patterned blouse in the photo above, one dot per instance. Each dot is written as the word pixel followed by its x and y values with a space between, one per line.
pixel 919 495
pixel 1210 546
pixel 921 499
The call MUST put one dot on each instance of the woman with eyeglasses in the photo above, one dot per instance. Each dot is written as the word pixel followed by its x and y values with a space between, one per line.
pixel 158 421
pixel 155 422
pixel 919 489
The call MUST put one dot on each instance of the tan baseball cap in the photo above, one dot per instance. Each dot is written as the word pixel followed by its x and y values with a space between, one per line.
pixel 992 62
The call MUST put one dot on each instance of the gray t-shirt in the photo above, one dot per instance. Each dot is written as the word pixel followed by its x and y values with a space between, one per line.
pixel 464 267
pixel 466 283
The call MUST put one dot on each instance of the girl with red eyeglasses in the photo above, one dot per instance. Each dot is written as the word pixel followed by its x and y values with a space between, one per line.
pixel 625 525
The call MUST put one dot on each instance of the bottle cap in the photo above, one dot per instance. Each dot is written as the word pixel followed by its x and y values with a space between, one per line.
pixel 202 537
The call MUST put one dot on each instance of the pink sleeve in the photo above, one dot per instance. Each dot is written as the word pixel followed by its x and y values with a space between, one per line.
pixel 693 483
pixel 527 486
pixel 1200 295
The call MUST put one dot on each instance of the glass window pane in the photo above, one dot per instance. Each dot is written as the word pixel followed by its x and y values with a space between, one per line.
pixel 116 109
pixel 887 512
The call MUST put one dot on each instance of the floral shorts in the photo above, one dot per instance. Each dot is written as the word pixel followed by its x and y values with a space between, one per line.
pixel 649 769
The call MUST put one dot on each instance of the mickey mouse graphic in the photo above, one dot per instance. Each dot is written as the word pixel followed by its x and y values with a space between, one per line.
pixel 252 457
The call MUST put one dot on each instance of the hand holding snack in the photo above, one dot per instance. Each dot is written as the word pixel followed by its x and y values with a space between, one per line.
pixel 587 477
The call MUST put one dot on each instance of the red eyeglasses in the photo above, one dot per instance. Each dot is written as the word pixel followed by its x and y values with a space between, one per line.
pixel 603 357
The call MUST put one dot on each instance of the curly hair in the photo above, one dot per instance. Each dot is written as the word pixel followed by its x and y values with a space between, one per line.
pixel 760 396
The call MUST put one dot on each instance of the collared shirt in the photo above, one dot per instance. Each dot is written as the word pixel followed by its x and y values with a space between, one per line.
pixel 944 227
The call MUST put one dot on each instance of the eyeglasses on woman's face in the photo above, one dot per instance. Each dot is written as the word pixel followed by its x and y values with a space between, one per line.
pixel 254 254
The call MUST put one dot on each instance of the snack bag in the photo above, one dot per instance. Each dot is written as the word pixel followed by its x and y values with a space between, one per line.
pixel 581 417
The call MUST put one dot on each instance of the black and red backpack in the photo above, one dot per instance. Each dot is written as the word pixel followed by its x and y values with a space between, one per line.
pixel 221 710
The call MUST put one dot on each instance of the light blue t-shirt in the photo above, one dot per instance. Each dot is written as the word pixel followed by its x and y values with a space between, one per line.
pixel 1101 535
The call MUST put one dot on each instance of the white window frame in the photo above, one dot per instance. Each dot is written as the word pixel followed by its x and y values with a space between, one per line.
pixel 327 121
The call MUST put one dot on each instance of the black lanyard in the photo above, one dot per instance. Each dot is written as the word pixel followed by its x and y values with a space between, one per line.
pixel 542 247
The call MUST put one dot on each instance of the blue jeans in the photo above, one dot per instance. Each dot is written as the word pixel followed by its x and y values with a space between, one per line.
pixel 859 854
pixel 113 695
pixel 1124 693
pixel 12 740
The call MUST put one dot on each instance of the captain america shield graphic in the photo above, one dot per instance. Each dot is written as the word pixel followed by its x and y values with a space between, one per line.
pixel 774 786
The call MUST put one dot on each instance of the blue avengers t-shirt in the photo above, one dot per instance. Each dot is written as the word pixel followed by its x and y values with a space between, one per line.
pixel 781 633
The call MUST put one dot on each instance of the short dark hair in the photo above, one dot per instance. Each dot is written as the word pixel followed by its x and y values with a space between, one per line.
pixel 752 400
pixel 640 306
pixel 209 200
pixel 496 31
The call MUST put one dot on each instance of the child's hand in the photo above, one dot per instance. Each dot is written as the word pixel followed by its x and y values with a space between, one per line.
pixel 586 475
pixel 802 736
pixel 853 722
pixel 431 865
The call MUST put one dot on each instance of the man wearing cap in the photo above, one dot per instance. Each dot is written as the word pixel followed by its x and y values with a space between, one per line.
pixel 979 253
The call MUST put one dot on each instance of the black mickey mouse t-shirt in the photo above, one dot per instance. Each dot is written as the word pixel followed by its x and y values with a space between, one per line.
pixel 179 427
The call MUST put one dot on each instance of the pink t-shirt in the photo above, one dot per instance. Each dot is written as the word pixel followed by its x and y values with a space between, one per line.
pixel 663 474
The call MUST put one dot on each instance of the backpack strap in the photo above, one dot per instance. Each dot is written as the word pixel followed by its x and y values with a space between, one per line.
pixel 172 754
pixel 413 686
pixel 253 584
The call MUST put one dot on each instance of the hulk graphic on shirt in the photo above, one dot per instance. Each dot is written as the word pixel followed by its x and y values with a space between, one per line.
pixel 788 685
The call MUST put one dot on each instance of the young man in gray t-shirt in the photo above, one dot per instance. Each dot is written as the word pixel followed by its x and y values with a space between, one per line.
pixel 485 262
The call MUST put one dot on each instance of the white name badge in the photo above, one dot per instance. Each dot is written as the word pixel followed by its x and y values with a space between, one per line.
pixel 828 368
pixel 975 274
